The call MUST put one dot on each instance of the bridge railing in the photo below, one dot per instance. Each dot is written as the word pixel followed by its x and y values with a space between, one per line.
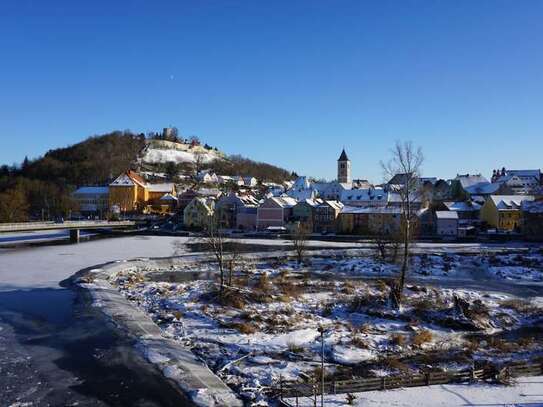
pixel 28 226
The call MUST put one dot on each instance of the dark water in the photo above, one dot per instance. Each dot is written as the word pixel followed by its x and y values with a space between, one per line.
pixel 56 352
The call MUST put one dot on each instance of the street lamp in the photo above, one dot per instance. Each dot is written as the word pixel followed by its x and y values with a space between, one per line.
pixel 322 330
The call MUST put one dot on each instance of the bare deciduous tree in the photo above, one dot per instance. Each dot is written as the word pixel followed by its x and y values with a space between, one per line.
pixel 387 241
pixel 298 236
pixel 198 166
pixel 214 241
pixel 227 251
pixel 405 163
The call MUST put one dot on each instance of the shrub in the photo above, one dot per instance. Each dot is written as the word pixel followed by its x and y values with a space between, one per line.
pixel 347 288
pixel 396 364
pixel 294 348
pixel 290 289
pixel 327 309
pixel 422 337
pixel 244 328
pixel 359 342
pixel 520 306
pixel 397 339
pixel 263 283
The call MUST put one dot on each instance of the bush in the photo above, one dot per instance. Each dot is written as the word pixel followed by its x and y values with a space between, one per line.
pixel 263 283
pixel 243 327
pixel 359 342
pixel 294 348
pixel 422 337
pixel 327 309
pixel 520 306
pixel 397 339
pixel 290 289
pixel 395 364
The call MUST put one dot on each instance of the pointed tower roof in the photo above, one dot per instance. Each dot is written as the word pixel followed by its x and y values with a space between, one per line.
pixel 343 156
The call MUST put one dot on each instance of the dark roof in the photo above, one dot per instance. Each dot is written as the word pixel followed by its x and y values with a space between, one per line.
pixel 343 156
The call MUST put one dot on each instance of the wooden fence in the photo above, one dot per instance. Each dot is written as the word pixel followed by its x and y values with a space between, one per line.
pixel 310 390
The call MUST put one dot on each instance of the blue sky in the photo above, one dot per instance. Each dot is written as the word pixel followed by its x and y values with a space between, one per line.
pixel 287 82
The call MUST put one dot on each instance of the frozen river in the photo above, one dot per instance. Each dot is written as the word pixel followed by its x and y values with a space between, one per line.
pixel 53 350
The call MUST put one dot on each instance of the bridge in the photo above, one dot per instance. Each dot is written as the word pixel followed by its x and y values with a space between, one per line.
pixel 73 226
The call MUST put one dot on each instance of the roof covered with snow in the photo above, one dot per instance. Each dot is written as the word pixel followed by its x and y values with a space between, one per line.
pixel 370 210
pixel 364 195
pixel 129 178
pixel 508 202
pixel 166 187
pixel 284 201
pixel 446 215
pixel 462 206
pixel 92 191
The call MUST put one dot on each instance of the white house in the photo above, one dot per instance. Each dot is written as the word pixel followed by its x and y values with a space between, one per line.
pixel 447 223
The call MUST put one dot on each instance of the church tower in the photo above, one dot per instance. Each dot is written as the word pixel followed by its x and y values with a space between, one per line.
pixel 344 169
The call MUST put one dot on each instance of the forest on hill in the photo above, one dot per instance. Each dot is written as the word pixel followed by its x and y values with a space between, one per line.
pixel 41 188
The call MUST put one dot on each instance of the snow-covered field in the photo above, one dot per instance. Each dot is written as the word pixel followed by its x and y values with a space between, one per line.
pixel 526 392
pixel 266 326
pixel 155 155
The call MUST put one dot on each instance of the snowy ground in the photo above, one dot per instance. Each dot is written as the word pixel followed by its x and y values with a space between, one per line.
pixel 266 327
pixel 155 155
pixel 528 391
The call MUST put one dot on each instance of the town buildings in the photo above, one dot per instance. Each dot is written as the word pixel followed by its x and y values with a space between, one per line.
pixel 503 212
pixel 92 201
pixel 275 212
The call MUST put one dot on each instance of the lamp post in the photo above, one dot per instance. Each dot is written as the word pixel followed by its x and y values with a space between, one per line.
pixel 321 330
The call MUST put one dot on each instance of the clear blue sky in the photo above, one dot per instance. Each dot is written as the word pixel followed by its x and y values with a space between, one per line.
pixel 287 82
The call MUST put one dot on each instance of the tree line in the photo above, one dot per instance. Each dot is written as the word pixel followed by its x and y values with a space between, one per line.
pixel 42 188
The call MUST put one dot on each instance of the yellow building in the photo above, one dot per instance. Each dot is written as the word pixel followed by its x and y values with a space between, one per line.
pixel 198 213
pixel 503 212
pixel 131 193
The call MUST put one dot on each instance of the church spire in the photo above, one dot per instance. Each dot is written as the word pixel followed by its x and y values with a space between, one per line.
pixel 343 156
pixel 344 168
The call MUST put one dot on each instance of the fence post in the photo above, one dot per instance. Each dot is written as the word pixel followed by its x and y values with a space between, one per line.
pixel 334 385
pixel 315 394
pixel 281 387
pixel 383 387
pixel 427 378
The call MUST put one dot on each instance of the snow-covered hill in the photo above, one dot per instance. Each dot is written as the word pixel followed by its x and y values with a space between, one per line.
pixel 161 151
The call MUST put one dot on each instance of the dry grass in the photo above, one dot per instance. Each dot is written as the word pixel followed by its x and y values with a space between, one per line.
pixel 397 339
pixel 502 345
pixel 263 283
pixel 348 288
pixel 243 327
pixel 422 337
pixel 290 288
pixel 520 306
pixel 359 342
pixel 294 348
pixel 396 364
